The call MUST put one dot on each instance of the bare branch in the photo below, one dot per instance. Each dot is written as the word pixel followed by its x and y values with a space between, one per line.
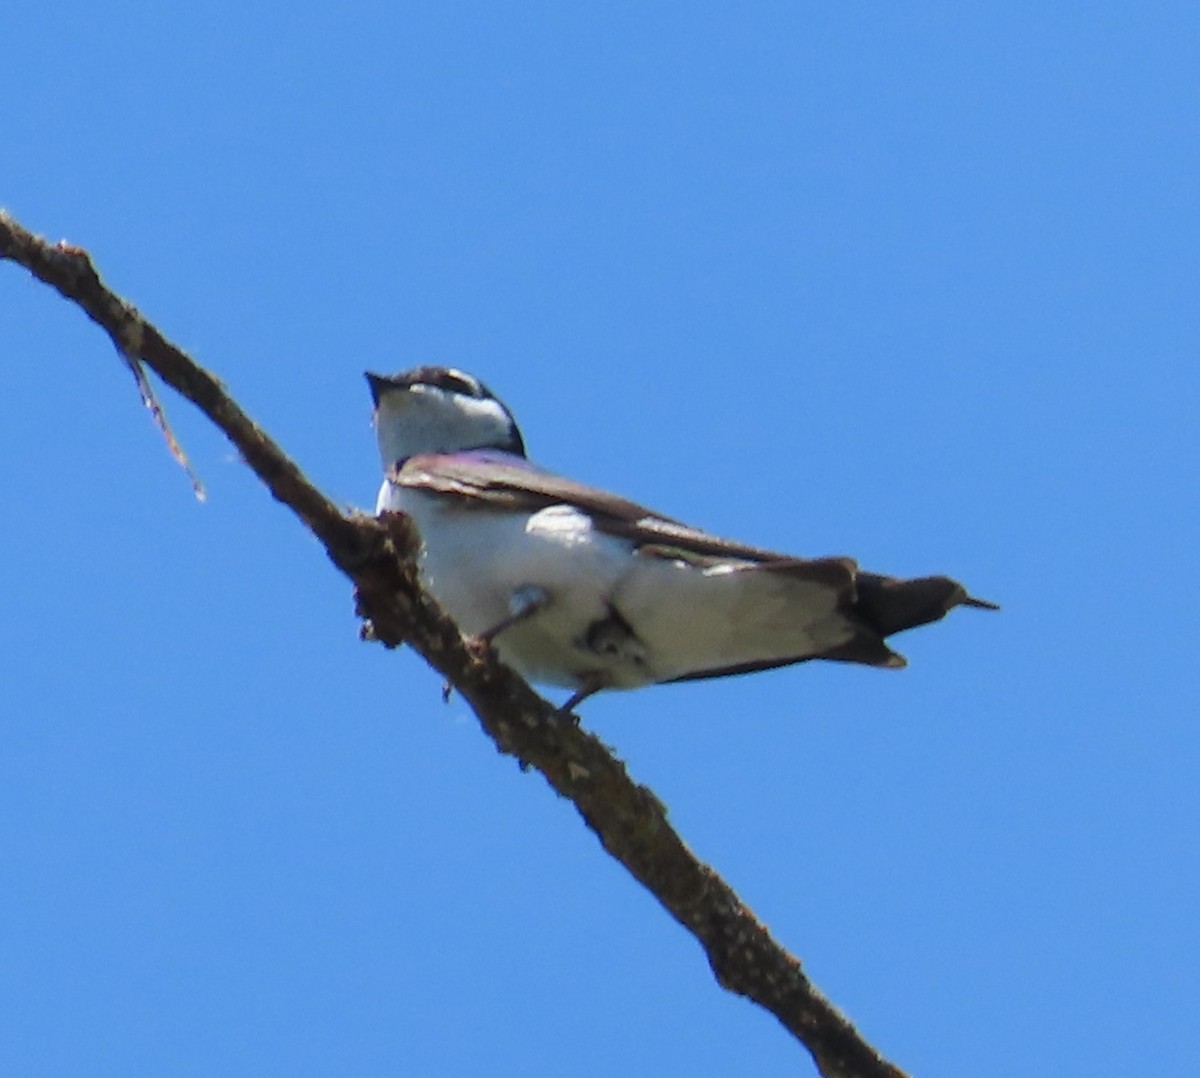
pixel 377 555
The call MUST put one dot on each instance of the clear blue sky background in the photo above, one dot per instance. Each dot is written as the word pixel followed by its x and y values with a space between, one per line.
pixel 918 286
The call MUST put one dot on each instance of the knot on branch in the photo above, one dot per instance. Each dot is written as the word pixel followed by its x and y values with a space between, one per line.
pixel 379 553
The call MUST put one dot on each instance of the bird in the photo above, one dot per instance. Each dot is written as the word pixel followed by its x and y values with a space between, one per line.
pixel 582 589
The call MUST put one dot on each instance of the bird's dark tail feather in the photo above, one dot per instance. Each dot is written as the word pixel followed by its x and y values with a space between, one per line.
pixel 884 605
pixel 889 605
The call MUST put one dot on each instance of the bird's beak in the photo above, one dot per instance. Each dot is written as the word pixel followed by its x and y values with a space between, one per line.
pixel 379 385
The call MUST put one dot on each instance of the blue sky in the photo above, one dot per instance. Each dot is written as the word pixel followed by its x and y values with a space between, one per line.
pixel 916 285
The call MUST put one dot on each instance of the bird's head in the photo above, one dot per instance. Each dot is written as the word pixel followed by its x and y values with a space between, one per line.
pixel 438 410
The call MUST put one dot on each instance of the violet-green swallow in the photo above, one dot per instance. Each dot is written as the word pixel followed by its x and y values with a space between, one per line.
pixel 580 588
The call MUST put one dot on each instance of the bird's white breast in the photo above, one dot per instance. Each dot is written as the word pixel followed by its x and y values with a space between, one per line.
pixel 475 557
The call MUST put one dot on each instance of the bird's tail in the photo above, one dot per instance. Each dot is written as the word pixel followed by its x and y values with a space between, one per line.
pixel 884 605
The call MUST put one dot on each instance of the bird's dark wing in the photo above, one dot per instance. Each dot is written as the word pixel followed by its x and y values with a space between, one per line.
pixel 501 481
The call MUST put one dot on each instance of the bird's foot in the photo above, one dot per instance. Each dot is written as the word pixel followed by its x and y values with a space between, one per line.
pixel 524 602
pixel 589 685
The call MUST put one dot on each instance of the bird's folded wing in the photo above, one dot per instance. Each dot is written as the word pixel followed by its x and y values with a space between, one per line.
pixel 501 481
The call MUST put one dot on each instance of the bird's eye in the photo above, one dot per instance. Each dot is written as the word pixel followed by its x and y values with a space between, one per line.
pixel 450 380
pixel 457 382
pixel 445 378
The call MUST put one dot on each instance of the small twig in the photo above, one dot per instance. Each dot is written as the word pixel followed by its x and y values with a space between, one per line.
pixel 377 555
pixel 151 401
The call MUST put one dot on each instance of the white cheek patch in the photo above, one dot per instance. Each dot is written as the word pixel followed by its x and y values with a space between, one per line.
pixel 425 419
pixel 483 415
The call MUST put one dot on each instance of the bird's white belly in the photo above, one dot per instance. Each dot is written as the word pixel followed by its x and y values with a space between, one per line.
pixel 474 559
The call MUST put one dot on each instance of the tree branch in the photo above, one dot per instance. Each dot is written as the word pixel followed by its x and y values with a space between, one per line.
pixel 377 555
